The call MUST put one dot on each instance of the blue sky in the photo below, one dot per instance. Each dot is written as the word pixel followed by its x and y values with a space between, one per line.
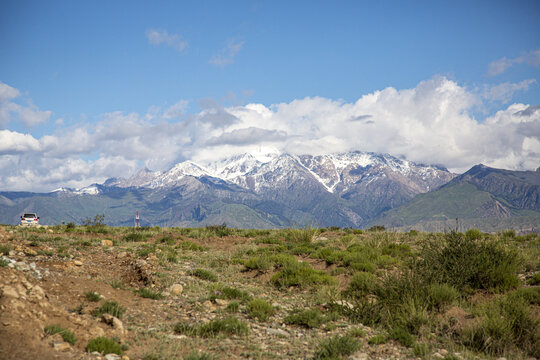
pixel 75 70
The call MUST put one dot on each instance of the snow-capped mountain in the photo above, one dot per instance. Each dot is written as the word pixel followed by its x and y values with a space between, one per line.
pixel 335 173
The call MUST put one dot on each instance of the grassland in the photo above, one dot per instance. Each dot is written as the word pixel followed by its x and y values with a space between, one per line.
pixel 271 294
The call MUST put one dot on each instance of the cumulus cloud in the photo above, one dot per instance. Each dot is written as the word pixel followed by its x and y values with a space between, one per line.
pixel 430 123
pixel 226 55
pixel 497 67
pixel 157 37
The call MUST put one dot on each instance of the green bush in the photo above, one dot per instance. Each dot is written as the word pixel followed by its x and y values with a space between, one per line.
pixel 227 326
pixel 233 293
pixel 191 246
pixel 337 347
pixel 166 239
pixel 473 234
pixel 362 284
pixel 110 307
pixel 504 324
pixel 441 295
pixel 150 294
pixel 420 349
pixel 92 296
pixel 66 334
pixel 5 249
pixel 534 280
pixel 259 309
pixel 105 346
pixel 308 318
pixel 401 335
pixel 301 275
pixel 465 263
pixel 302 235
pixel 204 275
pixel 233 307
pixel 530 294
pixel 133 237
pixel 377 339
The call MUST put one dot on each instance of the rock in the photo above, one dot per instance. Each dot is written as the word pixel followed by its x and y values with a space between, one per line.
pixel 221 302
pixel 96 332
pixel 106 243
pixel 112 357
pixel 77 263
pixel 176 289
pixel 121 255
pixel 10 291
pixel 50 230
pixel 63 346
pixel 438 356
pixel 361 356
pixel 30 252
pixel 443 352
pixel 125 357
pixel 208 305
pixel 176 337
pixel 113 321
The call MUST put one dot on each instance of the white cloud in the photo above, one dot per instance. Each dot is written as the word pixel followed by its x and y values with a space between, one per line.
pixel 497 67
pixel 430 123
pixel 226 55
pixel 30 115
pixel 505 91
pixel 157 37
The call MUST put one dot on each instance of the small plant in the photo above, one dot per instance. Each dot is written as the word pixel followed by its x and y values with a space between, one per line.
pixel 402 336
pixel 105 346
pixel 420 349
pixel 362 284
pixel 116 284
pixel 5 249
pixel 134 237
pixel 302 235
pixel 441 295
pixel 473 234
pixel 191 246
pixel 310 318
pixel 337 347
pixel 233 293
pixel 300 274
pixel 166 239
pixel 227 326
pixel 534 280
pixel 150 294
pixel 66 334
pixel 377 339
pixel 233 307
pixel 356 332
pixel 110 307
pixel 204 275
pixel 259 309
pixel 92 296
pixel 4 262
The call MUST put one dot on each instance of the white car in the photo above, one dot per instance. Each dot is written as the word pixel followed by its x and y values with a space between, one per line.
pixel 29 219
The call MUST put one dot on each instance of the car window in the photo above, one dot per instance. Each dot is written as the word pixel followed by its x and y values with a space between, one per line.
pixel 29 215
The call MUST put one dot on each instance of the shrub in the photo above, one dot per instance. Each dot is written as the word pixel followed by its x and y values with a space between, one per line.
pixel 534 280
pixel 361 284
pixel 227 326
pixel 531 295
pixel 5 249
pixel 150 294
pixel 105 346
pixel 441 295
pixel 66 334
pixel 134 237
pixel 260 309
pixel 402 336
pixel 233 307
pixel 92 296
pixel 309 318
pixel 4 262
pixel 191 246
pixel 302 235
pixel 377 339
pixel 204 275
pixel 110 307
pixel 465 263
pixel 300 274
pixel 167 239
pixel 219 230
pixel 233 293
pixel 420 349
pixel 473 234
pixel 503 324
pixel 337 347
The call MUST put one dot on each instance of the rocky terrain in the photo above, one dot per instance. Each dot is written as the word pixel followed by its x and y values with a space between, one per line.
pixel 170 281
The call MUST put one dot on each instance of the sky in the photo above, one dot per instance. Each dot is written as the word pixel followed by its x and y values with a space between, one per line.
pixel 97 89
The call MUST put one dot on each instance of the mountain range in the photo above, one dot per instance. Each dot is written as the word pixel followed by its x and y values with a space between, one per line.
pixel 352 189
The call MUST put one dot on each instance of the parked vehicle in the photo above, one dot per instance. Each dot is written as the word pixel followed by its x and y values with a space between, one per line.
pixel 29 219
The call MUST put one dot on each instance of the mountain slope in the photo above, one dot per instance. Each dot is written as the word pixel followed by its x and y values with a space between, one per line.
pixel 483 197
